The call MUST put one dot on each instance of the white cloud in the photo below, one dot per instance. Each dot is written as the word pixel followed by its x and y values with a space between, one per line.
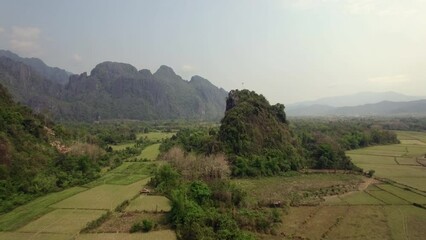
pixel 76 57
pixel 187 68
pixel 25 40
pixel 396 79
pixel 1 30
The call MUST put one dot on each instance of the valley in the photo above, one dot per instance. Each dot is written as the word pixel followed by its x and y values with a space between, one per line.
pixel 312 205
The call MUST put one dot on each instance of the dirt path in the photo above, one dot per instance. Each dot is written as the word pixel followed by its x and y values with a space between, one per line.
pixel 367 182
pixel 361 187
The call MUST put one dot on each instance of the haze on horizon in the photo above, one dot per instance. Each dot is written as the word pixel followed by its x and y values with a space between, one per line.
pixel 287 50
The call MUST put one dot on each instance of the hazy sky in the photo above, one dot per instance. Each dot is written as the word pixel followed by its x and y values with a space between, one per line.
pixel 288 50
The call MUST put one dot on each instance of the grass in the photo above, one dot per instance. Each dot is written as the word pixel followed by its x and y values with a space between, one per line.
pixel 150 204
pixel 405 169
pixel 36 208
pixel 102 197
pixel 282 188
pixel 410 135
pixel 388 198
pixel 62 221
pixel 361 198
pixel 407 195
pixel 406 222
pixel 155 136
pixel 322 220
pixel 155 235
pixel 361 222
pixel 371 159
pixel 407 161
pixel 151 152
pixel 127 173
pixel 352 222
pixel 34 236
pixel 122 146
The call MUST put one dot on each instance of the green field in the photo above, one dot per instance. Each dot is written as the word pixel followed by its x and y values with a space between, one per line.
pixel 410 135
pixel 396 162
pixel 407 195
pixel 388 198
pixel 35 236
pixel 126 173
pixel 155 235
pixel 155 136
pixel 102 197
pixel 25 213
pixel 149 204
pixel 151 152
pixel 62 221
pixel 361 198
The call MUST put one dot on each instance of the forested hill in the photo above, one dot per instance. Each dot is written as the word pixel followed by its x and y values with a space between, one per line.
pixel 114 91
pixel 256 136
pixel 33 158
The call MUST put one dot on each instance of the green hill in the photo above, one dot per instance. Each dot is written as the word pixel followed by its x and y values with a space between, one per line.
pixel 29 164
pixel 257 137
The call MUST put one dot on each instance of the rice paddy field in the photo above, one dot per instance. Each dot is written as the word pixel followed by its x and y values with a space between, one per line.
pixel 151 152
pixel 149 204
pixel 400 163
pixel 392 207
pixel 102 197
pixel 62 215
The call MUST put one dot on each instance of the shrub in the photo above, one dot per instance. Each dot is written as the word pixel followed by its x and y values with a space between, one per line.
pixel 142 226
pixel 147 225
pixel 370 173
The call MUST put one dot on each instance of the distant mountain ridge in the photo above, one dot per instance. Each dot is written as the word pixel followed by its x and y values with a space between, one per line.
pixel 53 73
pixel 360 104
pixel 114 91
pixel 384 108
pixel 358 99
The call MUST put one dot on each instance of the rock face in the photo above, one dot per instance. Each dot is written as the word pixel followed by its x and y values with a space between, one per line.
pixel 115 91
pixel 52 73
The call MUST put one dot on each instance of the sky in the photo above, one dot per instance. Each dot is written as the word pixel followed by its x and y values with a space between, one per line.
pixel 287 50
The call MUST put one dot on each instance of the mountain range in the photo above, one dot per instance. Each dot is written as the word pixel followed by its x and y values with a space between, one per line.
pixel 111 91
pixel 115 90
pixel 362 104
